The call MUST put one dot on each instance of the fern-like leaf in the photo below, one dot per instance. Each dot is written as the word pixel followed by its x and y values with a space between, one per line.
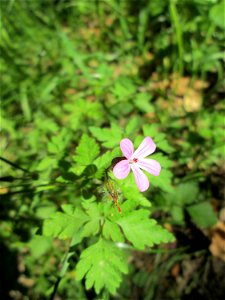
pixel 142 231
pixel 86 151
pixel 64 225
pixel 103 264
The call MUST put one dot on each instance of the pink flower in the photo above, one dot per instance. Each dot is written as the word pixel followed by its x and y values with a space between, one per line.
pixel 136 160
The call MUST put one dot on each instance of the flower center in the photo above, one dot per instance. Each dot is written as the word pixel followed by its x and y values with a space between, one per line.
pixel 134 160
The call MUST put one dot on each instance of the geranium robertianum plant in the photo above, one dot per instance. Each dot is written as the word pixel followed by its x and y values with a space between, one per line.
pixel 95 218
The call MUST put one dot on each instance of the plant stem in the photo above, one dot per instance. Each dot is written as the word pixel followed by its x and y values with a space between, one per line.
pixel 63 270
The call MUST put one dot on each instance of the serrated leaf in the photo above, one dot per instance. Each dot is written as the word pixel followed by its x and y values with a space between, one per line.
pixel 132 126
pixel 142 102
pixel 112 231
pixel 110 137
pixel 86 151
pixel 161 235
pixel 182 194
pixel 52 148
pixel 64 225
pixel 202 214
pixel 45 124
pixel 150 130
pixel 58 143
pixel 131 193
pixel 142 231
pixel 103 264
pixel 93 224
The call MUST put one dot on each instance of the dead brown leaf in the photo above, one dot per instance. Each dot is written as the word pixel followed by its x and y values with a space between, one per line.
pixel 25 281
pixel 180 85
pixel 175 270
pixel 217 246
pixel 192 101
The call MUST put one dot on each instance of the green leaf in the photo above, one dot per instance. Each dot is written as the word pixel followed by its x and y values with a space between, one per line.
pixel 25 104
pixel 81 110
pixel 134 196
pixel 119 109
pixel 105 160
pixel 109 136
pixel 103 264
pixel 70 51
pixel 47 163
pixel 164 145
pixel 132 125
pixel 45 209
pixel 131 193
pixel 142 231
pixel 64 225
pixel 142 102
pixel 150 130
pixel 186 193
pixel 175 201
pixel 163 181
pixel 39 245
pixel 177 214
pixel 112 231
pixel 58 143
pixel 158 137
pixel 202 214
pixel 217 15
pixel 86 151
pixel 123 88
pixel 182 194
pixel 164 161
pixel 45 124
pixel 143 23
pixel 93 225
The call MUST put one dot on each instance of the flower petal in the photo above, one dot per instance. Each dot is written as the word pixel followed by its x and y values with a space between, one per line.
pixel 122 169
pixel 127 148
pixel 140 178
pixel 146 148
pixel 150 165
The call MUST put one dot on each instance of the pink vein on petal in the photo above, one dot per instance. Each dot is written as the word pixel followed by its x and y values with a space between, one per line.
pixel 140 178
pixel 150 165
pixel 146 148
pixel 127 148
pixel 121 169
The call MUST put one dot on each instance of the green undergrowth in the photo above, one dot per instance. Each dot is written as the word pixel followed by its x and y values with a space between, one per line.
pixel 77 77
